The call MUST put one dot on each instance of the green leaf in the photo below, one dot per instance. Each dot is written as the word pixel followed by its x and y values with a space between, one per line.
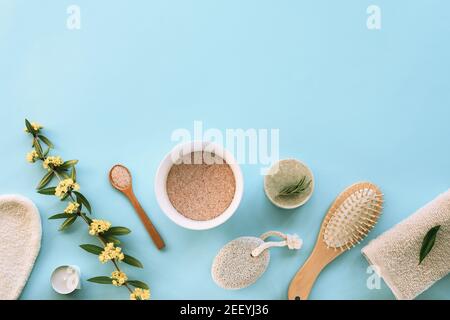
pixel 101 280
pixel 38 148
pixel 46 152
pixel 29 127
pixel 92 248
pixel 138 284
pixel 68 222
pixel 67 164
pixel 60 216
pixel 47 191
pixel 46 180
pixel 428 243
pixel 63 174
pixel 65 196
pixel 82 200
pixel 117 231
pixel 46 141
pixel 73 174
pixel 132 261
pixel 112 239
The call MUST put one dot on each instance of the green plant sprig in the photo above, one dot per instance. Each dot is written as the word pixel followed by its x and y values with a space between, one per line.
pixel 66 170
pixel 296 188
pixel 428 242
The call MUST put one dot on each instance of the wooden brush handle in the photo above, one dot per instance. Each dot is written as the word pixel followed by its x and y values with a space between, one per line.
pixel 304 279
pixel 159 242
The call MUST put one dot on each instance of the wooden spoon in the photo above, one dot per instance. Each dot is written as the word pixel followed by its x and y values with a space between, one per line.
pixel 120 178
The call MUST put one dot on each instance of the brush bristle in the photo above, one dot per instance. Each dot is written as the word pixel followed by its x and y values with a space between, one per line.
pixel 351 221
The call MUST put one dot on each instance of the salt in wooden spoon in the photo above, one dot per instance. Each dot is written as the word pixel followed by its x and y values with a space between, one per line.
pixel 120 178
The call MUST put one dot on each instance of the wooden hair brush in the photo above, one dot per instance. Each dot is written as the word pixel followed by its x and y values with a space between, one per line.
pixel 348 221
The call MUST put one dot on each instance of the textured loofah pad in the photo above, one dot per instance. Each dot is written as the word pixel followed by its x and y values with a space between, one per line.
pixel 235 268
pixel 395 253
pixel 20 241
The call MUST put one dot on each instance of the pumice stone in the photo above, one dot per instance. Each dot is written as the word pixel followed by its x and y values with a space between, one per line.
pixel 243 260
pixel 234 266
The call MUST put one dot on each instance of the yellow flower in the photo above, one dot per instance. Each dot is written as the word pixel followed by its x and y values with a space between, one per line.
pixel 111 253
pixel 32 156
pixel 140 294
pixel 50 162
pixel 36 126
pixel 119 278
pixel 98 226
pixel 66 186
pixel 72 207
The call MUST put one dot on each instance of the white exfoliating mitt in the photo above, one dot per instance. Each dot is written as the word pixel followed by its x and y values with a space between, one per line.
pixel 20 241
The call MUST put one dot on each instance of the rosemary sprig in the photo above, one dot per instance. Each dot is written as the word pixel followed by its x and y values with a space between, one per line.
pixel 67 190
pixel 296 188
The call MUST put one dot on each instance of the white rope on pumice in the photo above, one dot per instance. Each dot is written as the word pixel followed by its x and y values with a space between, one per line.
pixel 292 241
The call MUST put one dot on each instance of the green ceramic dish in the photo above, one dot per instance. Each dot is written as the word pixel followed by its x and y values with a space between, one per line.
pixel 284 173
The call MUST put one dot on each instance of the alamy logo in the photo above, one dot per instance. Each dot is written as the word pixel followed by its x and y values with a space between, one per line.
pixel 73 21
pixel 249 146
pixel 374 18
pixel 374 280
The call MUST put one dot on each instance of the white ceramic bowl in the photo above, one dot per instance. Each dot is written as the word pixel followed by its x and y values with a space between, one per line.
pixel 283 170
pixel 161 178
pixel 65 279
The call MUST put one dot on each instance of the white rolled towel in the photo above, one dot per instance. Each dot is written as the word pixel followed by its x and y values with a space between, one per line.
pixel 395 253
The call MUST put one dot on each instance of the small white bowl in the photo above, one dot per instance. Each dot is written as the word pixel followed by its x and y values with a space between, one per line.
pixel 287 171
pixel 161 178
pixel 65 279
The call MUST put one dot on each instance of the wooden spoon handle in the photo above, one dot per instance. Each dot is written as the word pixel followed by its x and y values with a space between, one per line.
pixel 154 234
pixel 304 279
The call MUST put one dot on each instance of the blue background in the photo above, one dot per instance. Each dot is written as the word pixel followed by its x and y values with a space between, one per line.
pixel 355 104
